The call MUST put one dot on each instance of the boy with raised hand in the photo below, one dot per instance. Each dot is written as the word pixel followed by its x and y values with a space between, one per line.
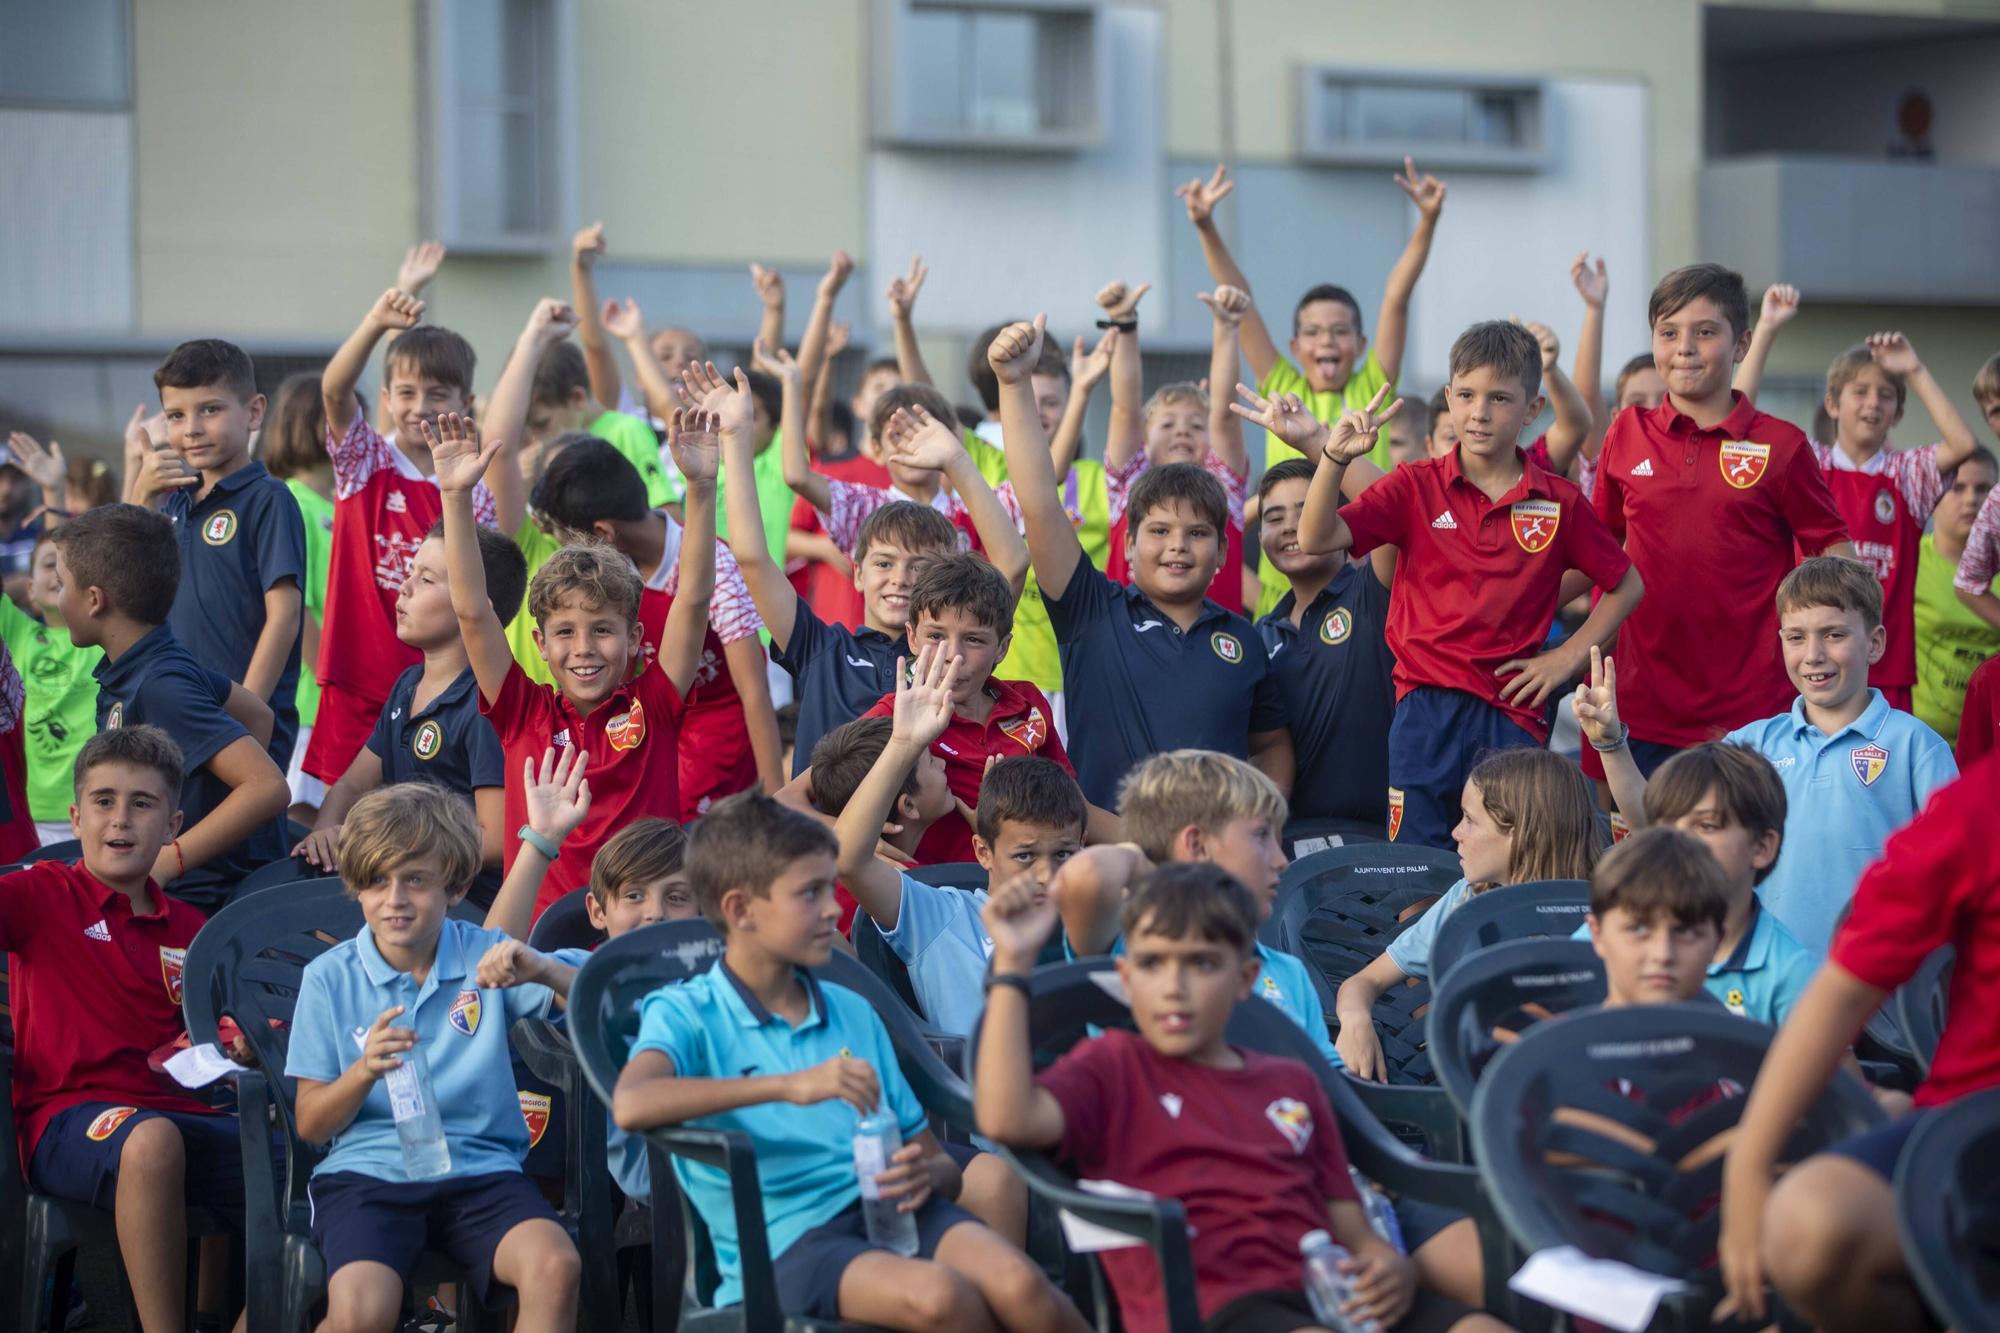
pixel 95 949
pixel 59 710
pixel 1327 642
pixel 385 501
pixel 432 730
pixel 760 1045
pixel 408 855
pixel 1826 1235
pixel 1152 665
pixel 1952 640
pixel 242 542
pixel 119 568
pixel 1855 769
pixel 1247 1142
pixel 561 404
pixel 1488 540
pixel 607 698
pixel 1712 499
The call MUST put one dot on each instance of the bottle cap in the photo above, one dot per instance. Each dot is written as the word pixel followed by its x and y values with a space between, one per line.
pixel 1312 1240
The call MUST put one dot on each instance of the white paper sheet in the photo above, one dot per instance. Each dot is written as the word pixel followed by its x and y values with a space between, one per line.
pixel 1614 1294
pixel 1090 1238
pixel 199 1066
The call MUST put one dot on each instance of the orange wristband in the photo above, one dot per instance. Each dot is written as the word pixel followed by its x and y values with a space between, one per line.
pixel 180 858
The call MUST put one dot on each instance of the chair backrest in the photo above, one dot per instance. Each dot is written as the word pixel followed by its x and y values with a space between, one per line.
pixel 1920 1005
pixel 566 925
pixel 1303 837
pixel 284 870
pixel 952 875
pixel 1496 994
pixel 1562 1120
pixel 67 850
pixel 1948 1212
pixel 1539 909
pixel 1342 906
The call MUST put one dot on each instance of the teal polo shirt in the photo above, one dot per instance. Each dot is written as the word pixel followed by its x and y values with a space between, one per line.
pixel 461 1028
pixel 1846 793
pixel 941 939
pixel 1764 974
pixel 711 1026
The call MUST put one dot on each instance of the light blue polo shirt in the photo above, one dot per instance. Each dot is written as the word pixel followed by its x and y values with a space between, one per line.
pixel 1846 793
pixel 941 939
pixel 1411 950
pixel 626 1152
pixel 1764 974
pixel 711 1026
pixel 461 1029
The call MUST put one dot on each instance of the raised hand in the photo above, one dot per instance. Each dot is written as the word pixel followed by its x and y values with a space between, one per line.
pixel 1015 349
pixel 1201 196
pixel 1425 191
pixel 160 470
pixel 903 289
pixel 587 246
pixel 838 270
pixel 1285 416
pixel 922 709
pixel 457 457
pixel 420 264
pixel 1781 303
pixel 1019 916
pixel 1354 434
pixel 703 386
pixel 843 1078
pixel 1591 283
pixel 508 963
pixel 776 362
pixel 43 464
pixel 395 310
pixel 1086 369
pixel 1892 352
pixel 1544 335
pixel 558 796
pixel 921 440
pixel 1596 703
pixel 551 320
pixel 1121 302
pixel 770 285
pixel 623 320
pixel 839 334
pixel 693 436
pixel 1228 304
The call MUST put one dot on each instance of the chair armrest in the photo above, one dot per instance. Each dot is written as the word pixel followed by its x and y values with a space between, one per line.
pixel 1425 1109
pixel 264 1208
pixel 731 1152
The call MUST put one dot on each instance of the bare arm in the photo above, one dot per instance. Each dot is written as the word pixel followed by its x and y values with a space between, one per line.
pixel 392 312
pixel 1126 435
pixel 1593 286
pixel 651 1094
pixel 599 362
pixel 283 605
pixel 797 457
pixel 257 795
pixel 1225 429
pixel 1271 754
pixel 812 347
pixel 506 420
pixel 1573 420
pixel 1089 891
pixel 875 884
pixel 745 660
pixel 1596 709
pixel 903 291
pixel 627 323
pixel 460 460
pixel 1052 542
pixel 691 436
pixel 1781 303
pixel 1085 371
pixel 1893 352
pixel 777 601
pixel 770 285
pixel 251 713
pixel 1392 323
pixel 1354 1004
pixel 1201 198
pixel 556 797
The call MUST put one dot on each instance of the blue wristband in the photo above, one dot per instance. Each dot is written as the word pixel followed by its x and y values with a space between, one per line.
pixel 549 850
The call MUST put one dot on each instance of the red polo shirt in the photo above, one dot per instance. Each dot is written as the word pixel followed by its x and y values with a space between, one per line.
pixel 1937 883
pixel 634 768
pixel 1478 580
pixel 1021 723
pixel 1714 520
pixel 95 989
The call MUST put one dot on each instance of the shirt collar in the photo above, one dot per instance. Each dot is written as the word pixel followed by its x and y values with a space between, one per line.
pixel 450 960
pixel 1670 420
pixel 1868 724
pixel 1838 461
pixel 1137 600
pixel 750 1011
pixel 111 900
pixel 453 694
pixel 132 659
pixel 237 480
pixel 1753 950
pixel 1534 480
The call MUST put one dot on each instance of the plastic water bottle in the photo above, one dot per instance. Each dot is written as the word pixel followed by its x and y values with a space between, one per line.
pixel 419 1126
pixel 876 1139
pixel 1381 1213
pixel 1327 1288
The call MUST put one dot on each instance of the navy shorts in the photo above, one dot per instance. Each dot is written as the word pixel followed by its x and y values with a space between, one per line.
pixel 1435 738
pixel 357 1218
pixel 808 1272
pixel 77 1155
pixel 1285 1310
pixel 1421 1222
pixel 1880 1148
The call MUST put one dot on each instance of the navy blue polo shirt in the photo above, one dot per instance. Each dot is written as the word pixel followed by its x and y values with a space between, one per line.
pixel 236 543
pixel 839 674
pixel 1333 673
pixel 449 744
pixel 158 681
pixel 1135 683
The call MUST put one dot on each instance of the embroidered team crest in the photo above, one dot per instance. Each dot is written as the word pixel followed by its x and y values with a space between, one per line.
pixel 1743 462
pixel 1621 828
pixel 427 742
pixel 221 526
pixel 1869 761
pixel 1030 732
pixel 107 1124
pixel 1171 1102
pixel 1535 523
pixel 1336 627
pixel 116 717
pixel 171 963
pixel 1395 812
pixel 1885 506
pixel 1227 647
pixel 1734 1002
pixel 1293 1120
pixel 396 504
pixel 535 1111
pixel 464 1013
pixel 625 731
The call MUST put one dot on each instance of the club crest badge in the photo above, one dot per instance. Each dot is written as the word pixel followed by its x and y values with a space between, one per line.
pixel 1395 812
pixel 1293 1120
pixel 1885 506
pixel 107 1124
pixel 1336 627
pixel 1734 1002
pixel 1621 827
pixel 1743 462
pixel 1535 523
pixel 1030 732
pixel 1869 761
pixel 427 742
pixel 115 718
pixel 464 1013
pixel 1227 647
pixel 172 962
pixel 535 1112
pixel 625 731
pixel 220 527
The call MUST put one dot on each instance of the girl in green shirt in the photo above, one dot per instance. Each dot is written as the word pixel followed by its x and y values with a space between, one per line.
pixel 61 709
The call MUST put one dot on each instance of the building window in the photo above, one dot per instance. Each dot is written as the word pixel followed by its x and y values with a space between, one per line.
pixel 500 140
pixel 1371 118
pixel 74 54
pixel 1007 74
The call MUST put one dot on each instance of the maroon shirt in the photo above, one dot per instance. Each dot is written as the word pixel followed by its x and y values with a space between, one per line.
pixel 1253 1154
pixel 95 989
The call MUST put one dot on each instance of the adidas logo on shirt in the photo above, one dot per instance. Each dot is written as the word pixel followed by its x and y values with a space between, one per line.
pixel 1645 468
pixel 1445 522
pixel 100 931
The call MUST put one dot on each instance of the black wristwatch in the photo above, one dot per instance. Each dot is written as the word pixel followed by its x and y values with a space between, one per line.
pixel 1018 980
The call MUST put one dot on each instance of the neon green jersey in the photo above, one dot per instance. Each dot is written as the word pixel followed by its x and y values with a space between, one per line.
pixel 635 439
pixel 536 546
pixel 1951 643
pixel 317 513
pixel 1033 655
pixel 61 709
